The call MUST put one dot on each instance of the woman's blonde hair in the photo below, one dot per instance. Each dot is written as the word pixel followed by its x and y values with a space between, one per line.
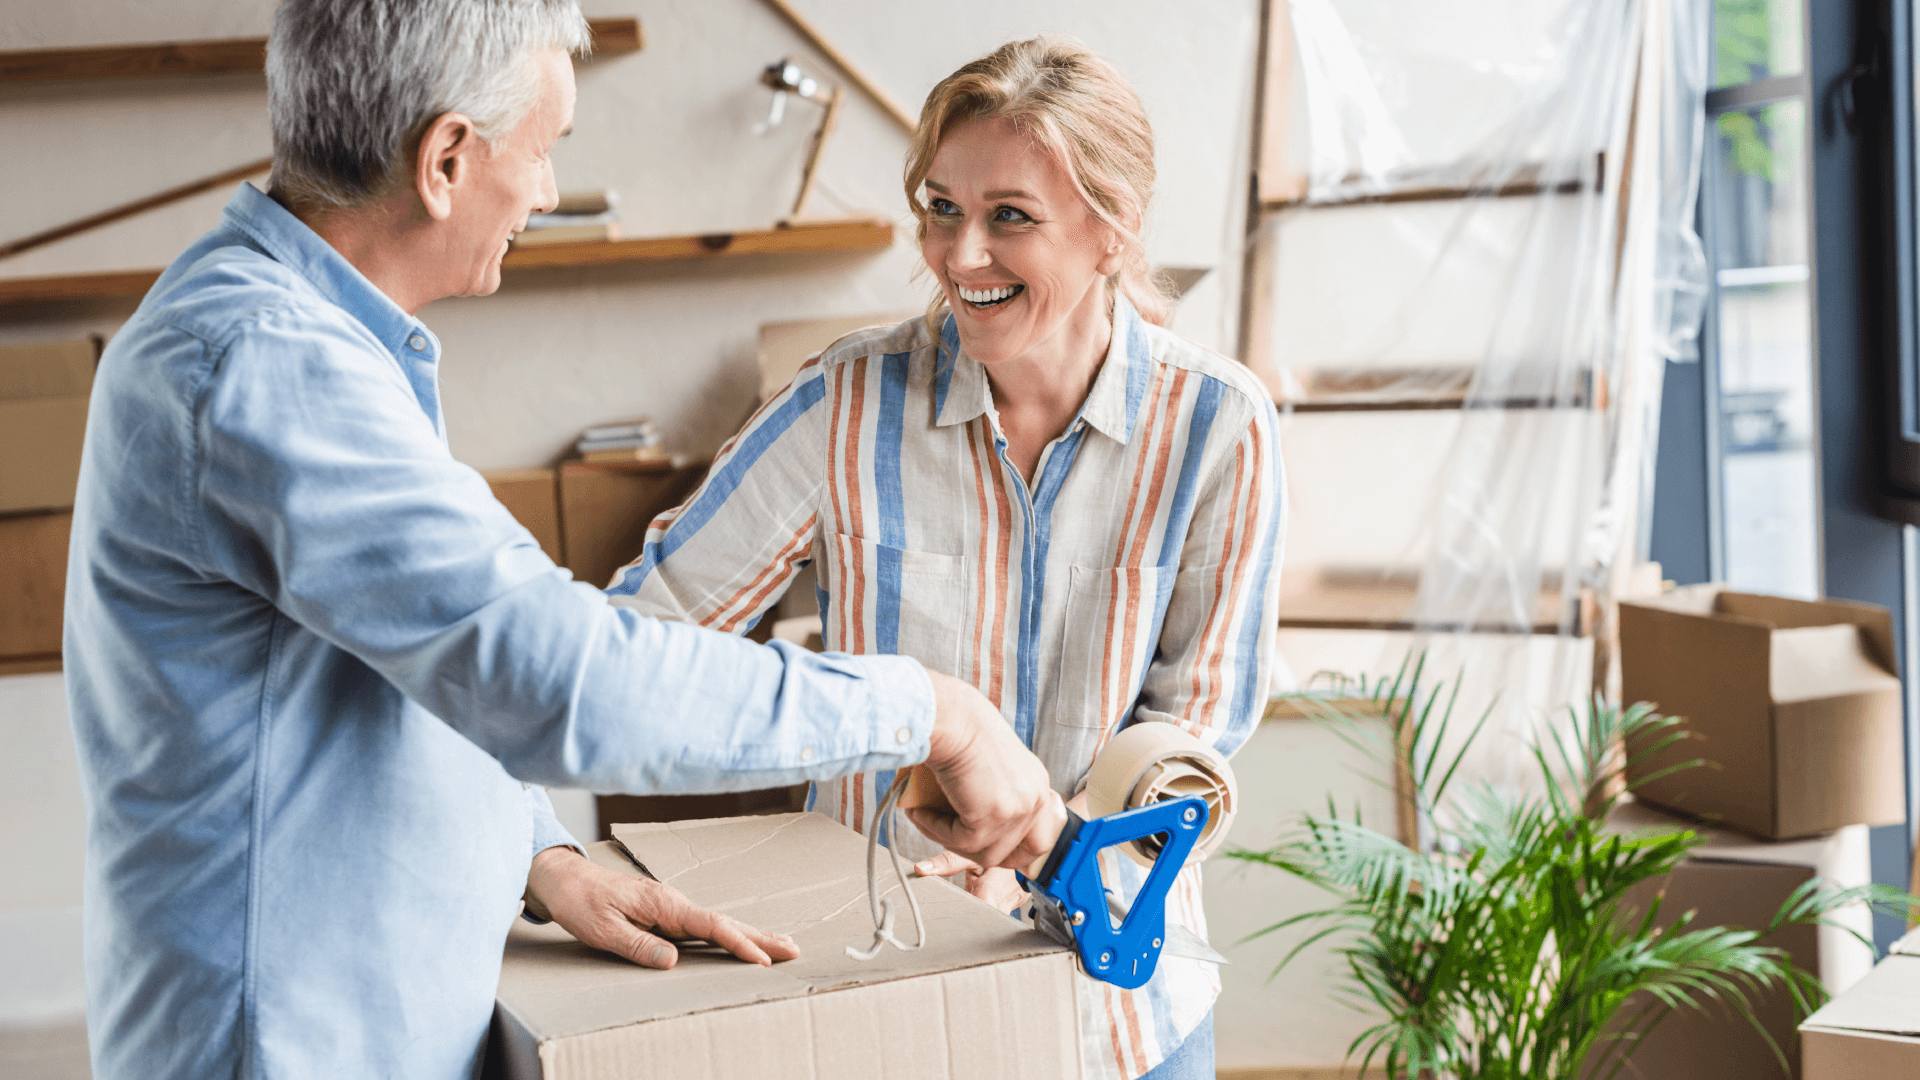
pixel 1079 107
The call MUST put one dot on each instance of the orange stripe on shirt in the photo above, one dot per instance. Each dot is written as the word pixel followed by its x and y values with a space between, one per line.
pixel 980 579
pixel 1120 551
pixel 1227 606
pixel 1003 557
pixel 1214 636
pixel 1113 1030
pixel 770 578
pixel 1142 531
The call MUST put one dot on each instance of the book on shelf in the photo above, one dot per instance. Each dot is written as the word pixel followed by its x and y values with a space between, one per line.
pixel 625 429
pixel 587 202
pixel 646 457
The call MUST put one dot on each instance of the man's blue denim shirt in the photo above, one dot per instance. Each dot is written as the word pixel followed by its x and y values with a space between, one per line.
pixel 311 661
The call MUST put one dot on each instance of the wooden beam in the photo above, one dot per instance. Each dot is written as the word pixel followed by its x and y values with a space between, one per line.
pixel 611 37
pixel 839 59
pixel 137 206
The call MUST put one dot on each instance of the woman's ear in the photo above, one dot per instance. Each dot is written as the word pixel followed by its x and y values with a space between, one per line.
pixel 1114 257
pixel 440 165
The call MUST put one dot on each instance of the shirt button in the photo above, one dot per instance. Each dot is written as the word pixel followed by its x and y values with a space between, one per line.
pixel 903 736
pixel 417 343
pixel 526 785
pixel 806 753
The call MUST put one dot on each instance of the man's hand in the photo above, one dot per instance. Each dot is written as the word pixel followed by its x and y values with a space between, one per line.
pixel 995 885
pixel 998 808
pixel 614 912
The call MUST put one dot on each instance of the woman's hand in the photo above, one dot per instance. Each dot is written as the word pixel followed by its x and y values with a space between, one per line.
pixel 990 798
pixel 995 885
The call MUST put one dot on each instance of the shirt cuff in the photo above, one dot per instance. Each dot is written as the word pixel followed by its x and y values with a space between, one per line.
pixel 901 708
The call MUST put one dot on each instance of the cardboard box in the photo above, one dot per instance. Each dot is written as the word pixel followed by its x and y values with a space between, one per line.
pixel 1871 1032
pixel 532 496
pixel 43 422
pixel 1734 880
pixel 33 585
pixel 985 997
pixel 1796 703
pixel 605 511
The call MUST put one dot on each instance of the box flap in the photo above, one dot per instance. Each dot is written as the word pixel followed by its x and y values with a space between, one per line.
pixel 1886 1001
pixel 798 874
pixel 1783 613
pixel 1811 663
pixel 64 369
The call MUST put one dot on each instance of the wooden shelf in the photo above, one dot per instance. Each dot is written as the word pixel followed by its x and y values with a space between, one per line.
pixel 19 296
pixel 1350 599
pixel 1421 389
pixel 611 37
pixel 1416 187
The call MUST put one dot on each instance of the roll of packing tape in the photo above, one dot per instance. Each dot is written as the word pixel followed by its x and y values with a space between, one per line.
pixel 1152 762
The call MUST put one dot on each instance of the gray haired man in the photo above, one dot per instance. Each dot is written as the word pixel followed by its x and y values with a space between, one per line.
pixel 314 669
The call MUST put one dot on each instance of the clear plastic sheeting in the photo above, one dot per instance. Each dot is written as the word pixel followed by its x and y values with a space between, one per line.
pixel 1466 321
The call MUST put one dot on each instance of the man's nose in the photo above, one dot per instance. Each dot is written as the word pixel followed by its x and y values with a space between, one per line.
pixel 549 191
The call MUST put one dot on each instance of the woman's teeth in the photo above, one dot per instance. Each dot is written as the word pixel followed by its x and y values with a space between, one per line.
pixel 990 297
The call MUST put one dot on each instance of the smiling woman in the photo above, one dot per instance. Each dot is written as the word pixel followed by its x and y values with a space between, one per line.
pixel 1036 489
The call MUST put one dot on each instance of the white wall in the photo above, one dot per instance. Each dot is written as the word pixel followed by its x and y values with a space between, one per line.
pixel 670 128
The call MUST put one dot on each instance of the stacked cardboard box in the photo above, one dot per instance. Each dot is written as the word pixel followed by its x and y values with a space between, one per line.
pixel 1871 1032
pixel 43 421
pixel 1795 706
pixel 1735 880
pixel 985 997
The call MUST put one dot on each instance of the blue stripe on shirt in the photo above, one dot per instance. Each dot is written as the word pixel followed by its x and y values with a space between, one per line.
pixel 721 486
pixel 892 498
pixel 1033 577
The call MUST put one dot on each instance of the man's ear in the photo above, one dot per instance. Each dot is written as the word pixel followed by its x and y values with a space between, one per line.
pixel 441 165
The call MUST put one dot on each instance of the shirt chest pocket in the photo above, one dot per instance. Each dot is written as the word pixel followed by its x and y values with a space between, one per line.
pixel 885 599
pixel 1106 641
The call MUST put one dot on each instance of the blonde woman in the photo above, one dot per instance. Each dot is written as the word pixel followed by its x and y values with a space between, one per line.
pixel 1036 488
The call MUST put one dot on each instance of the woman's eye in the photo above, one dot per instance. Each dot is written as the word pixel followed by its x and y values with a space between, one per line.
pixel 1007 215
pixel 943 207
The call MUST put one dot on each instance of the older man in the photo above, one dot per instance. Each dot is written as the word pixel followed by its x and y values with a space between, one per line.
pixel 314 668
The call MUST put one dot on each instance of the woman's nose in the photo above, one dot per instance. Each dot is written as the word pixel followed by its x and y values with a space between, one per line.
pixel 969 248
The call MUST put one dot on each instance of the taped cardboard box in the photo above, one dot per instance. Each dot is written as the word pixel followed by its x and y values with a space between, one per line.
pixel 1871 1032
pixel 1734 880
pixel 985 997
pixel 1796 703
pixel 43 422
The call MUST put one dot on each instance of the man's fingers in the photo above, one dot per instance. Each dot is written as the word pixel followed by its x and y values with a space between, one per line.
pixel 748 943
pixel 945 864
pixel 647 950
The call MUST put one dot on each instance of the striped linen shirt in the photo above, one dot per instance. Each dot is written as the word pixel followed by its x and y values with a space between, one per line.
pixel 1135 580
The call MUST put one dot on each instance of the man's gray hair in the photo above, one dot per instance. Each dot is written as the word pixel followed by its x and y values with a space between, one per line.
pixel 353 84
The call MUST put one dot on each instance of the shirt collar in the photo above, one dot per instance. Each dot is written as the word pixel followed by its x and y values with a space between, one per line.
pixel 292 244
pixel 961 391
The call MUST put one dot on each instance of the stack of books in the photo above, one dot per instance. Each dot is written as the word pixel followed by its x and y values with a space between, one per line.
pixel 580 215
pixel 634 440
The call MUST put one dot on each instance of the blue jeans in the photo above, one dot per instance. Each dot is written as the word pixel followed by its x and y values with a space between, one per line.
pixel 1192 1059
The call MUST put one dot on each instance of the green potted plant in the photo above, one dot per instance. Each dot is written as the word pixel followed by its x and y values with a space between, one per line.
pixel 1502 944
